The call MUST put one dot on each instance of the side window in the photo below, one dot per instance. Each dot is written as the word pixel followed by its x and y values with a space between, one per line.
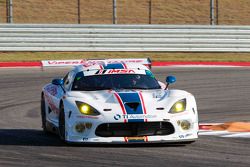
pixel 65 79
pixel 68 80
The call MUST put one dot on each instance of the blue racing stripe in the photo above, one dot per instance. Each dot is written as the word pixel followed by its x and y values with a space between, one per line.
pixel 113 66
pixel 130 98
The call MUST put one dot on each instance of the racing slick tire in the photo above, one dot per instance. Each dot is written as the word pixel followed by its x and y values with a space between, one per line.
pixel 62 123
pixel 43 115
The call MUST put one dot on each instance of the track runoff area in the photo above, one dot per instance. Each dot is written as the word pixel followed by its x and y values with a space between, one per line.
pixel 226 129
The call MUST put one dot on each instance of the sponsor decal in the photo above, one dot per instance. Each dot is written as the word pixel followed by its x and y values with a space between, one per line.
pixel 51 89
pixel 120 71
pixel 65 62
pixel 138 116
pixel 189 134
pixel 181 136
pixel 51 103
pixel 115 71
pixel 85 139
pixel 134 116
pixel 127 61
pixel 87 116
pixel 185 135
pixel 87 63
pixel 117 117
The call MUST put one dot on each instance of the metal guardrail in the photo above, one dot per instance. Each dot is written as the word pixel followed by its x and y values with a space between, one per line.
pixel 94 37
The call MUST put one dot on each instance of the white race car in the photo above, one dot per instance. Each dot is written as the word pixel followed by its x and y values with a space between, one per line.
pixel 117 103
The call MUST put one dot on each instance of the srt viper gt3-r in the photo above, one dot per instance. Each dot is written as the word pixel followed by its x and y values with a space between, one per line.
pixel 117 102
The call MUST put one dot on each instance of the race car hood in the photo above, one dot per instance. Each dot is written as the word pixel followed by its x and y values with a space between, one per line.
pixel 129 105
pixel 111 96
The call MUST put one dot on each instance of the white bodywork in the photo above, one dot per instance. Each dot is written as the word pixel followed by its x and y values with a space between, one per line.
pixel 155 104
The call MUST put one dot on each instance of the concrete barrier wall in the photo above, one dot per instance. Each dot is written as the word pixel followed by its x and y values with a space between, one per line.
pixel 108 37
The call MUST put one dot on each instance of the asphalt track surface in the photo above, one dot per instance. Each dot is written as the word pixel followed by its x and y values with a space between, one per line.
pixel 222 95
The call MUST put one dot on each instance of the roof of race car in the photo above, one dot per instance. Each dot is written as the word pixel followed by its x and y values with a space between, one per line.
pixel 110 66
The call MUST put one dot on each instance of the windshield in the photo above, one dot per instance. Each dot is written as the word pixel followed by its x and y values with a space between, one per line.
pixel 114 81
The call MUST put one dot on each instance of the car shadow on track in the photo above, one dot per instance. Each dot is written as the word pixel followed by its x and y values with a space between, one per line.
pixel 33 137
pixel 28 137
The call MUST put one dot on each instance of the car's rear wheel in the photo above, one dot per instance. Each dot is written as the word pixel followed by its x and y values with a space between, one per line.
pixel 43 115
pixel 62 123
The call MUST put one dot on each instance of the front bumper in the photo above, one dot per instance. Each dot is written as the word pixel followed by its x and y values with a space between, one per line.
pixel 103 131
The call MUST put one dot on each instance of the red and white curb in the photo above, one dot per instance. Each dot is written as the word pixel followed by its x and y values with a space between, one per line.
pixel 230 130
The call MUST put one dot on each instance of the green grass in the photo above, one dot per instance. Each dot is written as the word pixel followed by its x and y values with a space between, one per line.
pixel 155 56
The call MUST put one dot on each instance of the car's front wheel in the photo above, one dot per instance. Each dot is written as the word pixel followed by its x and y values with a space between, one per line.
pixel 62 123
pixel 43 115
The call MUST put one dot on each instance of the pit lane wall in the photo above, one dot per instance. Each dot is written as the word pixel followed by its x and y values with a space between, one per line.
pixel 108 37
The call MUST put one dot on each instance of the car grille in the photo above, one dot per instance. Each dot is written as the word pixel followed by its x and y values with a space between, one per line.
pixel 134 129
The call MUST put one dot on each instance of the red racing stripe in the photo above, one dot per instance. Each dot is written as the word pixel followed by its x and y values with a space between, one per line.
pixel 143 105
pixel 101 67
pixel 121 104
pixel 124 65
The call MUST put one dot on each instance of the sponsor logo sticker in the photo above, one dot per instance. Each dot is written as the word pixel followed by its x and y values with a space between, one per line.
pixel 117 117
pixel 134 116
pixel 87 116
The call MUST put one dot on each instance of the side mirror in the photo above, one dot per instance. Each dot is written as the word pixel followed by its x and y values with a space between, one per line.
pixel 170 80
pixel 57 82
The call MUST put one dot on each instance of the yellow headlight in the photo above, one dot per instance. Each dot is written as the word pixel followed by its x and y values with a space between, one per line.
pixel 86 109
pixel 179 106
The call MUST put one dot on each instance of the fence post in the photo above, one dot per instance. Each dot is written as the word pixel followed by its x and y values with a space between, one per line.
pixel 79 11
pixel 114 12
pixel 217 12
pixel 9 11
pixel 149 11
pixel 212 12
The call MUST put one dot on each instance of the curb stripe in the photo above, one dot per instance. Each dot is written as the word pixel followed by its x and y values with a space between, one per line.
pixel 228 129
pixel 20 64
pixel 237 64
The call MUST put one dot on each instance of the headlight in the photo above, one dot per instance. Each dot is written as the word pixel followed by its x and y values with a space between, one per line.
pixel 86 109
pixel 178 107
